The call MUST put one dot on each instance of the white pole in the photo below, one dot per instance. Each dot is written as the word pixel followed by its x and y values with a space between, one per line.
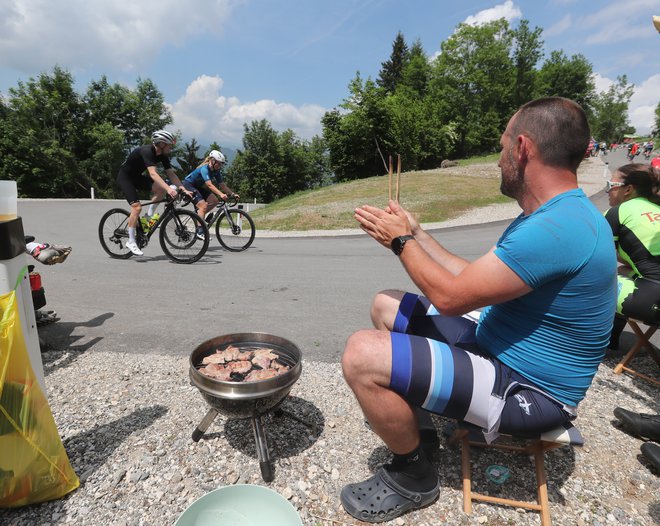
pixel 606 171
pixel 92 191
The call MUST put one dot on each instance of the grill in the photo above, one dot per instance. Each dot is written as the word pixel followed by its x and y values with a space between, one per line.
pixel 243 400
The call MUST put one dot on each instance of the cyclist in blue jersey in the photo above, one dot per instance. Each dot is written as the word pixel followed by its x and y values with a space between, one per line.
pixel 206 184
pixel 548 293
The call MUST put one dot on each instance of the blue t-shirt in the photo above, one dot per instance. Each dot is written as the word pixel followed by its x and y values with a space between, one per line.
pixel 556 334
pixel 201 174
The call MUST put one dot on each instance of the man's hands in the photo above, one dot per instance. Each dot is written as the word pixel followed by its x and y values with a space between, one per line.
pixel 385 225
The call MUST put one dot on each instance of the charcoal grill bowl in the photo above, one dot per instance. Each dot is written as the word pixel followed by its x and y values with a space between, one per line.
pixel 241 400
pixel 245 399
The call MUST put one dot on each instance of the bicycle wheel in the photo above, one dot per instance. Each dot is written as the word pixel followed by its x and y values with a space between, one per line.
pixel 178 236
pixel 113 233
pixel 235 230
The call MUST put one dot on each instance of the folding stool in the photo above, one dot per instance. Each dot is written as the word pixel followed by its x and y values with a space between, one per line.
pixel 468 435
pixel 641 341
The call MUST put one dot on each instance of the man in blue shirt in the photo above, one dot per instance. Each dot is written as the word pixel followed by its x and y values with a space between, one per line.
pixel 549 292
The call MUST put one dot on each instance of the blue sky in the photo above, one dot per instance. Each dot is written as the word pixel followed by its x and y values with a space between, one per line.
pixel 221 63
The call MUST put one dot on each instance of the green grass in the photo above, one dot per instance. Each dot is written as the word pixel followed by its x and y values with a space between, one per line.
pixel 490 158
pixel 431 195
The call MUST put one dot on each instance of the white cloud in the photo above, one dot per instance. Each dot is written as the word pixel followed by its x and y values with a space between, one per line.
pixel 506 10
pixel 619 22
pixel 126 34
pixel 559 27
pixel 643 104
pixel 205 114
pixel 602 83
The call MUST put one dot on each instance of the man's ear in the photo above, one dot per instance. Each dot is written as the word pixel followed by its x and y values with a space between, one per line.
pixel 526 149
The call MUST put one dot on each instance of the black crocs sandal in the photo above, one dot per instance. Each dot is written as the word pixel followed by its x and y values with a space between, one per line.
pixel 381 499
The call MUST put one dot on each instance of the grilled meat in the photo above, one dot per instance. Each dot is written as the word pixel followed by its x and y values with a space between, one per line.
pixel 218 372
pixel 260 374
pixel 240 367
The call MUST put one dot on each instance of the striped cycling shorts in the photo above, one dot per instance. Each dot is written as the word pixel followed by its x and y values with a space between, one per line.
pixel 437 365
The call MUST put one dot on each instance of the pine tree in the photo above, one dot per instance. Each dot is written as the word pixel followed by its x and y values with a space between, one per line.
pixel 391 71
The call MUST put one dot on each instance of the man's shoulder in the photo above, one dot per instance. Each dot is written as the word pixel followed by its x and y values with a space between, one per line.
pixel 145 151
pixel 568 215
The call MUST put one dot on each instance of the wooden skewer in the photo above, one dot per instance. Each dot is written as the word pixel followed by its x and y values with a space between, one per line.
pixel 390 185
pixel 398 176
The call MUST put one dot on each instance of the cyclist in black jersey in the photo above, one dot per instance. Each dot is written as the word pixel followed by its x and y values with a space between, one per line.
pixel 634 217
pixel 131 178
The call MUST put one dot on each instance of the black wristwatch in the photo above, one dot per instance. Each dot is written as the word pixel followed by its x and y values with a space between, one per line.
pixel 398 243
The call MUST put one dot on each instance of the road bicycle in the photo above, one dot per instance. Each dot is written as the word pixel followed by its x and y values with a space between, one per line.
pixel 233 226
pixel 178 234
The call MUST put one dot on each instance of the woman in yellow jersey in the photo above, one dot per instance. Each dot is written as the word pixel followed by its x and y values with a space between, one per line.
pixel 635 220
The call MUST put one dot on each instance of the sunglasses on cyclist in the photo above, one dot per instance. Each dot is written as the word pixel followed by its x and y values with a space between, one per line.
pixel 613 184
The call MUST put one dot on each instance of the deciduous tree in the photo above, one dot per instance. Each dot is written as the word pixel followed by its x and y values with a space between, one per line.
pixel 272 165
pixel 610 112
pixel 572 78
pixel 352 135
pixel 473 76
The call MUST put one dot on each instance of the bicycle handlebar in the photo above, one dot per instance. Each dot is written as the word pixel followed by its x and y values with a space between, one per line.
pixel 181 197
pixel 184 198
pixel 232 200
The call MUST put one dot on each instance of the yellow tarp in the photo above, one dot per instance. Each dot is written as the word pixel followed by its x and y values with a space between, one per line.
pixel 34 466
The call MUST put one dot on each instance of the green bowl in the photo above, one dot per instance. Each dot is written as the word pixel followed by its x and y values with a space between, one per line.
pixel 240 505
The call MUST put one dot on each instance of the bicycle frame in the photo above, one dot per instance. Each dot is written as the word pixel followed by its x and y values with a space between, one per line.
pixel 221 208
pixel 166 213
pixel 169 208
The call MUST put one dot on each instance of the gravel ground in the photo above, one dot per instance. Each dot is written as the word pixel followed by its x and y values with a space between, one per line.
pixel 126 422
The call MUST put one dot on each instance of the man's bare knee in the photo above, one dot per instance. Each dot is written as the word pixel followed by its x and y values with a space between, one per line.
pixel 384 308
pixel 352 357
pixel 366 358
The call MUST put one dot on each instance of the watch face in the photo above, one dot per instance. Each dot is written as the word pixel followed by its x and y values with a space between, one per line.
pixel 397 245
pixel 399 242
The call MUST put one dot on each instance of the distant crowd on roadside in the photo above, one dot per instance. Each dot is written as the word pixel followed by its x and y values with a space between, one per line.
pixel 634 149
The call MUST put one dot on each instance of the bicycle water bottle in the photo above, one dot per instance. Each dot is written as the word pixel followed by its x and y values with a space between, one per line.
pixel 144 221
pixel 154 219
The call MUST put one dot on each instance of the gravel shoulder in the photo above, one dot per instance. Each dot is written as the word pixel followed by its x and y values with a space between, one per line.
pixel 126 422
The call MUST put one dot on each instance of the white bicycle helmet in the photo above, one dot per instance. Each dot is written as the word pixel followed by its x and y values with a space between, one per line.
pixel 218 156
pixel 163 136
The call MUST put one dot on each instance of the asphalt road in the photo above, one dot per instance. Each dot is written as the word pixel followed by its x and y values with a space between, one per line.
pixel 313 291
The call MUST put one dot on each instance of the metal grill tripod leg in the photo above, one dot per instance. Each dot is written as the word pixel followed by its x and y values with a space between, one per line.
pixel 204 425
pixel 262 448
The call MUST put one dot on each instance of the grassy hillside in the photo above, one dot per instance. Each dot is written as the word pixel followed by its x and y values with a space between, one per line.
pixel 432 195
